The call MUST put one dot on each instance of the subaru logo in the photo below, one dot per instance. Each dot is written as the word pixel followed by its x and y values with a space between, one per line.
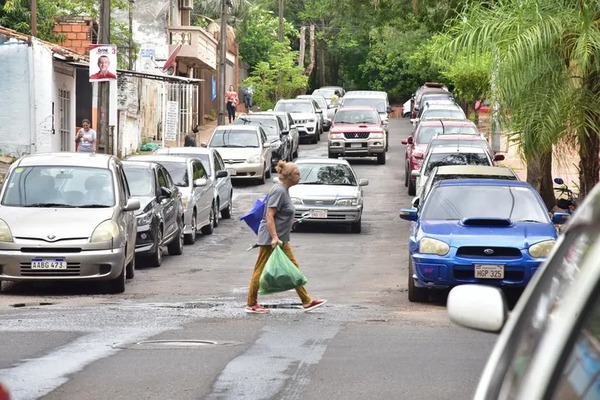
pixel 229 161
pixel 51 237
pixel 488 252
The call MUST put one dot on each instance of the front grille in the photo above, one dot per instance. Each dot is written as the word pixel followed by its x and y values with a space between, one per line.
pixel 482 251
pixel 301 121
pixel 319 202
pixel 356 135
pixel 73 269
pixel 50 249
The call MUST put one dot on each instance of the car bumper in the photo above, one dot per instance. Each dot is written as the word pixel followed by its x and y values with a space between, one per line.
pixel 334 215
pixel 439 272
pixel 307 131
pixel 369 148
pixel 144 240
pixel 84 265
pixel 245 170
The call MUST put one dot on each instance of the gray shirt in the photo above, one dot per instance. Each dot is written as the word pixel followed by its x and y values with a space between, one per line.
pixel 86 144
pixel 278 198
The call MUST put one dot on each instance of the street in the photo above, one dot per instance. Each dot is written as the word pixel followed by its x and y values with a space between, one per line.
pixel 180 331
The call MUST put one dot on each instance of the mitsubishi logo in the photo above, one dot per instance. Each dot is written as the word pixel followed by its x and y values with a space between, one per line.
pixel 488 252
pixel 356 135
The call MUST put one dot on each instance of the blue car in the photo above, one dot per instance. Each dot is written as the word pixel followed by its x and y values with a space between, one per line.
pixel 487 231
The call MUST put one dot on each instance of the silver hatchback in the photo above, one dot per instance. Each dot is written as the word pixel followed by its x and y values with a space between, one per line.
pixel 67 216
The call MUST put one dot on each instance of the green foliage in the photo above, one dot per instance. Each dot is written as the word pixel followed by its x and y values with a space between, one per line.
pixel 279 77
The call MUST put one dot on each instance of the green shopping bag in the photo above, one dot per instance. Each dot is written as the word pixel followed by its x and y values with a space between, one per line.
pixel 280 274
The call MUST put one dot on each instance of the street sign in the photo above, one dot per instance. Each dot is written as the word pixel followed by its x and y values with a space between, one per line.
pixel 172 120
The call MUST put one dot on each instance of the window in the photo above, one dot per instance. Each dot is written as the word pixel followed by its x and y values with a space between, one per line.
pixel 198 170
pixel 162 179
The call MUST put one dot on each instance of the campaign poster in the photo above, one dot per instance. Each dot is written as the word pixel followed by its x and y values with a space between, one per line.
pixel 103 62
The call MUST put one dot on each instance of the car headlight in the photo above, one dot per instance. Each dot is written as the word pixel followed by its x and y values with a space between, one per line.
pixel 5 233
pixel 253 159
pixel 334 136
pixel 541 249
pixel 297 200
pixel 376 135
pixel 144 219
pixel 311 120
pixel 184 202
pixel 433 246
pixel 351 201
pixel 104 232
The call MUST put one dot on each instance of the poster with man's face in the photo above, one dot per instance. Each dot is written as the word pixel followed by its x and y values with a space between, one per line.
pixel 103 62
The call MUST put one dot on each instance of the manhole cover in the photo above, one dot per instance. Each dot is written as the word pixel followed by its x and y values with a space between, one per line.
pixel 175 344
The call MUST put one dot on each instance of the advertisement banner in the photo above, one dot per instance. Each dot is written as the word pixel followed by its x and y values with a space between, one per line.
pixel 103 62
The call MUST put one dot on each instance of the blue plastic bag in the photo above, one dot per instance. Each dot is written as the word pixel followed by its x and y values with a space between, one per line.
pixel 255 215
pixel 280 274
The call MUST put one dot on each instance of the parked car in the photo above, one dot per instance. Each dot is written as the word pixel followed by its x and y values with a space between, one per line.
pixel 357 132
pixel 430 98
pixel 490 231
pixel 197 192
pixel 464 141
pixel 407 108
pixel 549 344
pixel 215 168
pixel 307 117
pixel 445 172
pixel 67 217
pixel 160 216
pixel 328 91
pixel 427 87
pixel 326 111
pixel 371 98
pixel 281 145
pixel 451 155
pixel 440 111
pixel 417 142
pixel 328 193
pixel 245 149
pixel 288 126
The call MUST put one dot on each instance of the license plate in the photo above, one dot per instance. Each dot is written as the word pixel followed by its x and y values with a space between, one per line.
pixel 48 263
pixel 318 213
pixel 355 144
pixel 231 171
pixel 489 271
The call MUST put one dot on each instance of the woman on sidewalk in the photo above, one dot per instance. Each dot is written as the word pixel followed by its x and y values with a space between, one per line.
pixel 231 97
pixel 275 227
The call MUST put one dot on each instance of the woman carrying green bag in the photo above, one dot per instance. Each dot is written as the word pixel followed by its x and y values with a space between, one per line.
pixel 275 227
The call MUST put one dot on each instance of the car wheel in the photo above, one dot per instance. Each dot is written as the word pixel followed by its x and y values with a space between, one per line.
pixel 415 294
pixel 331 155
pixel 117 285
pixel 381 158
pixel 226 212
pixel 130 273
pixel 190 238
pixel 208 229
pixel 315 139
pixel 217 214
pixel 176 245
pixel 356 227
pixel 155 259
pixel 262 178
pixel 406 175
pixel 412 187
pixel 268 174
pixel 295 155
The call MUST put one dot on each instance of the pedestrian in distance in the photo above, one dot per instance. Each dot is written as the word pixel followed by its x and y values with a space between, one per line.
pixel 275 227
pixel 335 98
pixel 247 92
pixel 231 97
pixel 190 138
pixel 85 141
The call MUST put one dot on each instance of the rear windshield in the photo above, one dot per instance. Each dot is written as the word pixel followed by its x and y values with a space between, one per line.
pixel 440 159
pixel 379 104
pixel 234 138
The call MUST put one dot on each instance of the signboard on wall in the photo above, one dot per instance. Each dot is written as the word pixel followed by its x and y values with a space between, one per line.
pixel 103 62
pixel 172 120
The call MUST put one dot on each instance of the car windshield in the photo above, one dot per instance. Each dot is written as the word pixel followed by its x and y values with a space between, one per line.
pixel 356 117
pixel 296 107
pixel 319 99
pixel 234 138
pixel 439 159
pixel 326 174
pixel 178 172
pixel 59 186
pixel 140 180
pixel 269 125
pixel 439 114
pixel 515 203
pixel 378 104
pixel 205 158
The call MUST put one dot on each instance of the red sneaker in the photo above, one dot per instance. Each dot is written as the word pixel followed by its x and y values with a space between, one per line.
pixel 314 304
pixel 256 309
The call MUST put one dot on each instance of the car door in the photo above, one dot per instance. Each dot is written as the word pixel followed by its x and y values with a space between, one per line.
pixel 167 204
pixel 266 153
pixel 203 195
pixel 126 218
pixel 224 186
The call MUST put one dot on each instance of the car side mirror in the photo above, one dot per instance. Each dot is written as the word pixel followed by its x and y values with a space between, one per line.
pixel 266 144
pixel 293 126
pixel 221 174
pixel 363 182
pixel 415 202
pixel 165 193
pixel 132 205
pixel 498 157
pixel 200 182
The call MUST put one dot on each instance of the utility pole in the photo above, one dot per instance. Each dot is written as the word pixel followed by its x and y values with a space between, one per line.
pixel 280 33
pixel 103 87
pixel 130 53
pixel 222 64
pixel 34 18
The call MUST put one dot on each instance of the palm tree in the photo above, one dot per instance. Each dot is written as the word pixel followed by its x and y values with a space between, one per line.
pixel 547 76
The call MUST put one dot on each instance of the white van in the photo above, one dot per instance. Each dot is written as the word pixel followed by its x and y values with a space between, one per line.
pixel 374 98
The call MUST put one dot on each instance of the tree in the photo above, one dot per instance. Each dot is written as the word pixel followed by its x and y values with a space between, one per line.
pixel 547 58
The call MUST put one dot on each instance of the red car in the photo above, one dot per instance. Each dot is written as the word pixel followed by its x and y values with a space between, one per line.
pixel 417 142
pixel 428 87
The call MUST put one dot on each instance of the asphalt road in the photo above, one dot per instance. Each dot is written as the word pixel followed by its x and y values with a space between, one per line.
pixel 180 331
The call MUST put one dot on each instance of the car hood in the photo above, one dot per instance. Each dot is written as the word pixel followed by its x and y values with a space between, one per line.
pixel 237 153
pixel 323 191
pixel 519 235
pixel 341 128
pixel 63 223
pixel 296 116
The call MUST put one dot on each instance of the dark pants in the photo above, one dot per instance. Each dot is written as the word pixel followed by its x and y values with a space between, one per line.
pixel 231 111
pixel 248 101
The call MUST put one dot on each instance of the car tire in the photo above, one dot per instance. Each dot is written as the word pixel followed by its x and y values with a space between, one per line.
pixel 295 154
pixel 262 179
pixel 117 285
pixel 268 174
pixel 130 272
pixel 176 245
pixel 190 238
pixel 217 214
pixel 331 155
pixel 415 294
pixel 381 158
pixel 356 227
pixel 210 227
pixel 412 187
pixel 406 174
pixel 155 259
pixel 226 212
pixel 315 139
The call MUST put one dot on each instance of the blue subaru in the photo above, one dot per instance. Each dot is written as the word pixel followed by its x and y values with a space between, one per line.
pixel 487 231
